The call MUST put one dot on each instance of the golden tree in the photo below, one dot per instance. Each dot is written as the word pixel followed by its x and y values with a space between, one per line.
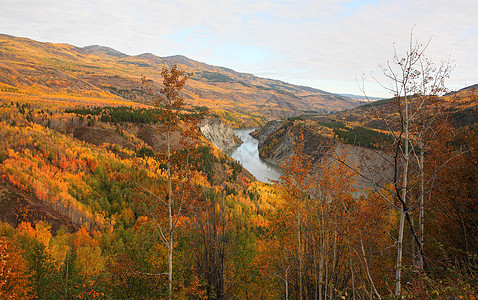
pixel 14 281
pixel 182 134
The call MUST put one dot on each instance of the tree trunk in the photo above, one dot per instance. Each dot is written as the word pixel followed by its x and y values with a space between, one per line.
pixel 399 252
pixel 322 252
pixel 403 196
pixel 421 226
pixel 299 248
pixel 334 258
pixel 170 216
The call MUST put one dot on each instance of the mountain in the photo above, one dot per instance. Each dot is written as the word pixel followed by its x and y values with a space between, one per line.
pixel 97 49
pixel 32 67
pixel 361 97
pixel 473 87
pixel 470 89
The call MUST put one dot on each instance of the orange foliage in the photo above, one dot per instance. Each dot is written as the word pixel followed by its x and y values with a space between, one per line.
pixel 41 232
pixel 14 280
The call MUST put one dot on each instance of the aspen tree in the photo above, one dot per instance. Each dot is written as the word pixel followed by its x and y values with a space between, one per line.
pixel 410 118
pixel 171 121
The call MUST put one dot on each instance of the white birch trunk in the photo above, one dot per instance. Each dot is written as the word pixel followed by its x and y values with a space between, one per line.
pixel 404 187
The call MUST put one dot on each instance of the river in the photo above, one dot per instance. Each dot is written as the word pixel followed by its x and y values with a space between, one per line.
pixel 248 155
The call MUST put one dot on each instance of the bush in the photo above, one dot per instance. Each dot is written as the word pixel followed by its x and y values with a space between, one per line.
pixel 145 152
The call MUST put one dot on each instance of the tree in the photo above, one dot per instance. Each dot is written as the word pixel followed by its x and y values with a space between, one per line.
pixel 313 227
pixel 14 281
pixel 182 133
pixel 210 241
pixel 411 118
pixel 297 185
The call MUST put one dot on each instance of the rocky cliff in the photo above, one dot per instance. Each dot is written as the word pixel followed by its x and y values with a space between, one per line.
pixel 219 134
pixel 279 140
pixel 265 131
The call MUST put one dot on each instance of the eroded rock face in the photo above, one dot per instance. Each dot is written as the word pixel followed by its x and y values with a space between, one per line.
pixel 274 150
pixel 157 139
pixel 265 131
pixel 219 134
pixel 277 141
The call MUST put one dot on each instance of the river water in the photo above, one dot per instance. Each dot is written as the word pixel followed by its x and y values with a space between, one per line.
pixel 248 155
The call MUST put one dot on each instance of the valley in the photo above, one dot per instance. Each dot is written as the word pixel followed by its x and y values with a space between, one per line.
pixel 114 189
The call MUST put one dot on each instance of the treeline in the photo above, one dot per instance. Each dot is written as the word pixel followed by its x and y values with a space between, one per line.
pixel 348 134
pixel 358 135
pixel 118 114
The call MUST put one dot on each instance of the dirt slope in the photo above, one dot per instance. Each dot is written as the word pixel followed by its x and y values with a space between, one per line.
pixel 16 207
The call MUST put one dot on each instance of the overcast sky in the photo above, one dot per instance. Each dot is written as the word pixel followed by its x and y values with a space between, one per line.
pixel 324 44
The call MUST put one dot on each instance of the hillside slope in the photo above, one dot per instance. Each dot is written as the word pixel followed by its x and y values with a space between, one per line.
pixel 33 67
pixel 359 126
pixel 356 134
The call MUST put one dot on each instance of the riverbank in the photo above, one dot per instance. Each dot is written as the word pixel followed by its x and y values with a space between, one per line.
pixel 248 155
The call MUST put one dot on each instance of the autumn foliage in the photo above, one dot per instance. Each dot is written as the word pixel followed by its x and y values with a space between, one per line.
pixel 311 235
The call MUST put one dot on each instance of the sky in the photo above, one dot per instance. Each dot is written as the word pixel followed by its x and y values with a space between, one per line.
pixel 336 46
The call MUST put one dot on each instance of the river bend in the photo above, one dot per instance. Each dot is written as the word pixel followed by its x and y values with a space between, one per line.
pixel 248 155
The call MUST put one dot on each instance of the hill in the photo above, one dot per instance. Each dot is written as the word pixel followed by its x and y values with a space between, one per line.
pixel 36 68
pixel 16 206
pixel 366 128
pixel 362 98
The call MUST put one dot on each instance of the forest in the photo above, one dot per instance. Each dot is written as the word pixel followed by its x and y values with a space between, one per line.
pixel 188 222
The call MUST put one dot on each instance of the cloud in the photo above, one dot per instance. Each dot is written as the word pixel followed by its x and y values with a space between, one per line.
pixel 324 43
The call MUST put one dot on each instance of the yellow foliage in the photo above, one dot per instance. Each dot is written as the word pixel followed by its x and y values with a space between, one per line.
pixel 91 261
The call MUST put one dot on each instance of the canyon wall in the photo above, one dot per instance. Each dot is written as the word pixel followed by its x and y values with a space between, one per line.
pixel 219 134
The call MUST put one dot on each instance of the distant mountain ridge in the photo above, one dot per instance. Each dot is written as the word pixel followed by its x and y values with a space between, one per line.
pixel 96 49
pixel 33 66
pixel 362 97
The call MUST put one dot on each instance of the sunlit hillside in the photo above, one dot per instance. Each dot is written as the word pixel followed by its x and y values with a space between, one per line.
pixel 60 70
pixel 105 194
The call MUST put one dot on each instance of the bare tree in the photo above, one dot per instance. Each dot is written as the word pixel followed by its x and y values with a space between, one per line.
pixel 411 118
pixel 416 85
